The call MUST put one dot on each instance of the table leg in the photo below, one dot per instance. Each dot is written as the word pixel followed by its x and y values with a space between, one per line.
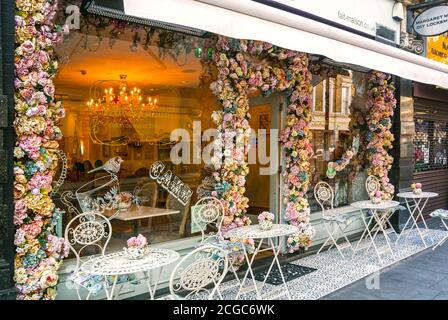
pixel 364 232
pixel 249 270
pixel 411 218
pixel 420 215
pixel 135 222
pixel 110 296
pixel 276 252
pixel 152 288
pixel 372 239
pixel 381 221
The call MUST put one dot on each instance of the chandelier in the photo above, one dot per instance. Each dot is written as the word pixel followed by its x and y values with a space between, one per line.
pixel 123 108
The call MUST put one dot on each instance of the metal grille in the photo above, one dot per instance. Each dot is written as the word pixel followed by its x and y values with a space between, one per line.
pixel 430 145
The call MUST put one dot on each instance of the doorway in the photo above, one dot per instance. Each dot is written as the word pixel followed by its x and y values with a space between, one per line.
pixel 263 180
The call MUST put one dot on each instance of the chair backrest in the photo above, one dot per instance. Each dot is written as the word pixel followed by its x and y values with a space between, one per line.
pixel 372 184
pixel 148 194
pixel 88 229
pixel 208 212
pixel 200 272
pixel 324 196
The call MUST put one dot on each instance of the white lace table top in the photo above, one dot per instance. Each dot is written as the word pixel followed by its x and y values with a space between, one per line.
pixel 367 204
pixel 117 263
pixel 412 195
pixel 255 231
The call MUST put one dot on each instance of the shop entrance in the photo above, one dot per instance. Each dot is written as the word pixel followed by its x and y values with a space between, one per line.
pixel 263 181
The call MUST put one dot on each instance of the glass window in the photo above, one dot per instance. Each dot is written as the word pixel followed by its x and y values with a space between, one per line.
pixel 126 102
pixel 319 97
pixel 330 139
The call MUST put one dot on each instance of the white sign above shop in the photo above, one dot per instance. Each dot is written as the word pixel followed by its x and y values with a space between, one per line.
pixel 432 22
pixel 359 15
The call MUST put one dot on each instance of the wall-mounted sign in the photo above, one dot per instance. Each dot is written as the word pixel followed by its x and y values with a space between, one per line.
pixel 432 22
pixel 437 48
pixel 355 14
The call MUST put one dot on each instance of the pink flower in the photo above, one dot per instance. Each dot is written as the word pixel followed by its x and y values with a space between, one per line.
pixel 19 212
pixel 138 242
pixel 27 46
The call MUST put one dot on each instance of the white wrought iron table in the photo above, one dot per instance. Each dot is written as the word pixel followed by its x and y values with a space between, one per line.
pixel 255 232
pixel 117 263
pixel 419 203
pixel 380 213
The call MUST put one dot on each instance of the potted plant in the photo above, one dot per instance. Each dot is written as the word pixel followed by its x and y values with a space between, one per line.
pixel 266 220
pixel 137 247
pixel 416 188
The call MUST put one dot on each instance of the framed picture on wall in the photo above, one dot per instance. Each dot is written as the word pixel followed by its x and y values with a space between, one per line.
pixel 264 121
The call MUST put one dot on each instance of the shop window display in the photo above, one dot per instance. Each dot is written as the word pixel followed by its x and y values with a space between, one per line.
pixel 331 136
pixel 123 102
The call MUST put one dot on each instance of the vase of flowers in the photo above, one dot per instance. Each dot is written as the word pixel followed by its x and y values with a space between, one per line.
pixel 376 196
pixel 137 247
pixel 124 200
pixel 416 188
pixel 266 220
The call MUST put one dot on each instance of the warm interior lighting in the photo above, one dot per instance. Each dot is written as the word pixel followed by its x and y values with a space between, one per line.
pixel 124 107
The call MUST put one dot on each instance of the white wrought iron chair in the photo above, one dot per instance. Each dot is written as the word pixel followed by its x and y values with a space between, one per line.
pixel 208 215
pixel 90 230
pixel 87 230
pixel 335 222
pixel 199 273
pixel 372 184
pixel 443 215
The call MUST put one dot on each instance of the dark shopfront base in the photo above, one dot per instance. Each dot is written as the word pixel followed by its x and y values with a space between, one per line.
pixel 7 13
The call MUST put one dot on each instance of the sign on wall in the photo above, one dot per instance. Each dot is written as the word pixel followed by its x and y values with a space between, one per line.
pixel 437 48
pixel 432 22
pixel 359 15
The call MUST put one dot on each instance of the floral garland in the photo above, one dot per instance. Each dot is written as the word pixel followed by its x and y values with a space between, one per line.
pixel 358 128
pixel 380 104
pixel 170 44
pixel 344 161
pixel 238 74
pixel 38 251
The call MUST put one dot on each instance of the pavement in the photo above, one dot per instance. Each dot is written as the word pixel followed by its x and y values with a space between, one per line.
pixel 423 276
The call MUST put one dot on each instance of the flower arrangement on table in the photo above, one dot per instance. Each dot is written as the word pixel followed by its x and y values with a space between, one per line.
pixel 124 200
pixel 376 197
pixel 137 247
pixel 416 188
pixel 266 220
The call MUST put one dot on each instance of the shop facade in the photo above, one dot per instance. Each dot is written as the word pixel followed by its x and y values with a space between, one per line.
pixel 177 71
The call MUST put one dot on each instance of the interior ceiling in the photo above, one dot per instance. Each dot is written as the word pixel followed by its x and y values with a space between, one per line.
pixel 143 67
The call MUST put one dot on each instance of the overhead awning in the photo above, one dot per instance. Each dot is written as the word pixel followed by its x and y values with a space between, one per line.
pixel 245 19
